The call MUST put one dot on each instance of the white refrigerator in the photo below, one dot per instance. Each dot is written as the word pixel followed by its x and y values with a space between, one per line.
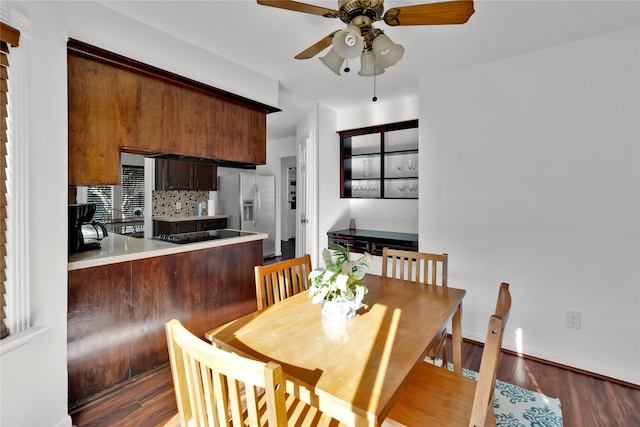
pixel 250 200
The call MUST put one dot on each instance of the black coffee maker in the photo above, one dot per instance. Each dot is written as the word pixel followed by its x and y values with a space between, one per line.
pixel 84 233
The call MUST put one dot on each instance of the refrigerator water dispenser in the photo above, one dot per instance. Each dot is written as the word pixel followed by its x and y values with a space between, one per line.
pixel 247 210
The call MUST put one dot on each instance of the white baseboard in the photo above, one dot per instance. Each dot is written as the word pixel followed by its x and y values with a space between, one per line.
pixel 65 422
pixel 584 365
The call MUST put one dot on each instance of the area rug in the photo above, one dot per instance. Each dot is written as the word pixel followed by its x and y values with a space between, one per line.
pixel 517 407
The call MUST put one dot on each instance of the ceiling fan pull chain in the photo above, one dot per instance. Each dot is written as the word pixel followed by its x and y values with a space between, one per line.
pixel 346 67
pixel 375 98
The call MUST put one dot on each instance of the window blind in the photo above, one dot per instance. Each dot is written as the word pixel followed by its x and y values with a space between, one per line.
pixel 118 202
pixel 132 191
pixel 9 37
pixel 102 196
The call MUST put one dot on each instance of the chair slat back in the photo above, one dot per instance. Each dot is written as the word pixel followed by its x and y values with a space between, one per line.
pixel 415 266
pixel 214 387
pixel 490 355
pixel 278 281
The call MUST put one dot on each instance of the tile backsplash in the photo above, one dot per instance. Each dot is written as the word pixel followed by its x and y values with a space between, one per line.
pixel 164 202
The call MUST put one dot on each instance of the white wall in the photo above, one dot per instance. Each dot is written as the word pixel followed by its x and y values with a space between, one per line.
pixel 372 214
pixel 375 214
pixel 539 165
pixel 33 378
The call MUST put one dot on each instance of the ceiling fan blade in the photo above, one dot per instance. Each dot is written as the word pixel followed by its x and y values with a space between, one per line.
pixel 301 7
pixel 450 12
pixel 316 48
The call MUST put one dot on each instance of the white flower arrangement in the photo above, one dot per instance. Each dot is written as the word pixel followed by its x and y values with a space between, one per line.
pixel 340 280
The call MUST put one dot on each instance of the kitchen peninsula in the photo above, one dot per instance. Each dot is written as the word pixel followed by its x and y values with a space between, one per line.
pixel 121 295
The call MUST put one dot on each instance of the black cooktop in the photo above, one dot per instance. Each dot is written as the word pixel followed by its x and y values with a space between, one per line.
pixel 201 236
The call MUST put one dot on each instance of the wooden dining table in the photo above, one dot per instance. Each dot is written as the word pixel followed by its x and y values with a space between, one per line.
pixel 353 370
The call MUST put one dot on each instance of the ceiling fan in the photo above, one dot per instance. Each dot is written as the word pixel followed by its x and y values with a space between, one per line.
pixel 375 49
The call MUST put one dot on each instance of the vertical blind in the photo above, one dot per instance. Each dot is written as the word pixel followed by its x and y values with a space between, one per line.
pixel 9 37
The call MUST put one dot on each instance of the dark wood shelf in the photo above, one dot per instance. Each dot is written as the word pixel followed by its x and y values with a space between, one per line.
pixel 374 150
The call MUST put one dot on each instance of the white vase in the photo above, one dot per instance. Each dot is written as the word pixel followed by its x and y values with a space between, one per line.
pixel 337 310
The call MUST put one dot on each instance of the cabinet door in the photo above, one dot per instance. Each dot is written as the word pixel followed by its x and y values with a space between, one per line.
pixel 162 227
pixel 204 177
pixel 213 224
pixel 174 175
pixel 186 226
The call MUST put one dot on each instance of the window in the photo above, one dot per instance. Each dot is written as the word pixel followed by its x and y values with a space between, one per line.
pixel 102 196
pixel 132 190
pixel 120 201
pixel 9 38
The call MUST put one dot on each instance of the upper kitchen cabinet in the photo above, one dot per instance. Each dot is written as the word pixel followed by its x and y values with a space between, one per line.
pixel 205 177
pixel 116 104
pixel 185 175
pixel 380 162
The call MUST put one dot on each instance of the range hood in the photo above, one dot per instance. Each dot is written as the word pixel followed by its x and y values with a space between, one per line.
pixel 218 162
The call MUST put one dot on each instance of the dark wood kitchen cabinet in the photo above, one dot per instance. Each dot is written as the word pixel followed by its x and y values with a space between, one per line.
pixel 118 104
pixel 175 227
pixel 185 175
pixel 116 312
pixel 205 177
pixel 373 241
pixel 174 175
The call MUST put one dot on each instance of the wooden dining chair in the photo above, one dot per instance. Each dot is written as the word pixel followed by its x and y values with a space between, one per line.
pixel 425 268
pixel 438 397
pixel 214 387
pixel 278 281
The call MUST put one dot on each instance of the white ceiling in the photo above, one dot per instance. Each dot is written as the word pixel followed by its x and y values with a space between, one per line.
pixel 266 40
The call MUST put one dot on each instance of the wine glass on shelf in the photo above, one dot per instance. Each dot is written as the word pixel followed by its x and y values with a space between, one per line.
pixel 411 163
pixel 366 171
pixel 399 165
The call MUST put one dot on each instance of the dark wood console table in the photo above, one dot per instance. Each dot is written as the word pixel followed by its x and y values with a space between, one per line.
pixel 373 241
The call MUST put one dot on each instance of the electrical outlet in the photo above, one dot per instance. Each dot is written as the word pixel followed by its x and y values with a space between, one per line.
pixel 573 319
pixel 178 205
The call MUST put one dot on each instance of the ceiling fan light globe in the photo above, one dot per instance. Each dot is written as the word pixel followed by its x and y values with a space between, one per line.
pixel 348 42
pixel 333 61
pixel 387 52
pixel 367 65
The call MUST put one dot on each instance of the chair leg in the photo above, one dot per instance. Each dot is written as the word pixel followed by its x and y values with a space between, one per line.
pixel 491 416
pixel 445 358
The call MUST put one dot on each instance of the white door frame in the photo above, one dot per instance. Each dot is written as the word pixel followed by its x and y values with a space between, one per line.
pixel 307 186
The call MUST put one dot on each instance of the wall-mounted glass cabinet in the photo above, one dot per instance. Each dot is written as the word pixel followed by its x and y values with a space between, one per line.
pixel 380 162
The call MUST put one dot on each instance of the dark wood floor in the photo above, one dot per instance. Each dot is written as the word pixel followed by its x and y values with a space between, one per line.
pixel 586 401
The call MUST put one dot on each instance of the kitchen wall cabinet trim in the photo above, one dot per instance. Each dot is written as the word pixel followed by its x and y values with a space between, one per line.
pixel 93 52
pixel 373 166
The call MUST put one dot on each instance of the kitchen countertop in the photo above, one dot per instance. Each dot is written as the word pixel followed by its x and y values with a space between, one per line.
pixel 119 248
pixel 188 218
